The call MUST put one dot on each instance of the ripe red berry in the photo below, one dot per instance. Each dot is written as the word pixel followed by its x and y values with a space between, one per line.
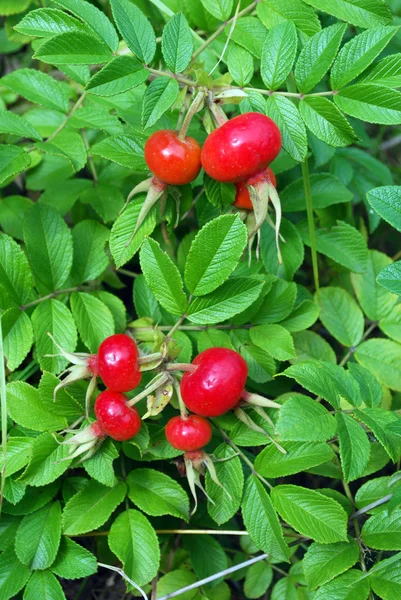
pixel 115 418
pixel 217 384
pixel 240 148
pixel 242 198
pixel 188 433
pixel 117 363
pixel 172 160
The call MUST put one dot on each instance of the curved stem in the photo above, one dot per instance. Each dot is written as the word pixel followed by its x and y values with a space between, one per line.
pixel 53 295
pixel 64 123
pixel 311 223
pixel 193 109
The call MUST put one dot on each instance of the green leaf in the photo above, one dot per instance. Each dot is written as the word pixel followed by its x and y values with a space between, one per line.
pixel 346 587
pixel 386 201
pixel 12 212
pixel 37 87
pixel 157 494
pixel 381 357
pixel 64 197
pixel 90 260
pixel 310 513
pixel 317 56
pixel 292 251
pixel 123 228
pixel 371 103
pixel 326 190
pixel 43 584
pixel 13 575
pixel 341 316
pixel 15 274
pixel 378 420
pixel 278 303
pixel 385 582
pixel 91 507
pixel 206 555
pixel 273 12
pixel 300 456
pixel 135 29
pixel 375 301
pixel 159 97
pixel 67 144
pixel 94 320
pixel 278 54
pixel 73 48
pixel 303 419
pixel 326 380
pixel 163 277
pixel 261 521
pixel 354 447
pixel 49 247
pixel 177 43
pixel 286 115
pixel 234 296
pixel 275 340
pixel 17 336
pixel 240 64
pixel 386 72
pixel 38 537
pixel 67 405
pixel 309 345
pixel 357 54
pixel 30 503
pixel 13 160
pixel 145 303
pixel 47 22
pixel 214 254
pixel 323 562
pixel 304 316
pixel 257 580
pixel 48 462
pixel 11 7
pixel 24 407
pixel 54 317
pixel 390 278
pixel 371 390
pixel 382 531
pixel 133 540
pixel 100 465
pixel 116 307
pixel 73 561
pixel 107 200
pixel 17 455
pixel 221 9
pixel 356 12
pixel 16 125
pixel 174 581
pixel 94 18
pixel 326 122
pixel 219 194
pixel 121 74
pixel 249 33
pixel 125 150
pixel 230 474
pixel 342 243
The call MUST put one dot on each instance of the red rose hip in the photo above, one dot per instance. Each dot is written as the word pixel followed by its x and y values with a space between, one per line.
pixel 173 161
pixel 241 148
pixel 188 433
pixel 242 198
pixel 217 384
pixel 117 363
pixel 115 418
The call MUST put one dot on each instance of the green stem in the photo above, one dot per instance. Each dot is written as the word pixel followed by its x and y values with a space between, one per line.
pixel 3 399
pixel 90 159
pixel 72 111
pixel 311 223
pixel 53 295
pixel 352 350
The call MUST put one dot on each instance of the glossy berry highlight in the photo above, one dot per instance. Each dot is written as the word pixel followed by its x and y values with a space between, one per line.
pixel 241 148
pixel 117 363
pixel 115 418
pixel 242 197
pixel 172 160
pixel 217 384
pixel 188 433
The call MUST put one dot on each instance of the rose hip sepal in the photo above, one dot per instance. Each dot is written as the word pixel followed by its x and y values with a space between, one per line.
pixel 196 463
pixel 173 160
pixel 242 197
pixel 216 385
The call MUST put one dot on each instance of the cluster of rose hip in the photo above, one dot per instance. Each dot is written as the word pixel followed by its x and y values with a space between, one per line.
pixel 239 151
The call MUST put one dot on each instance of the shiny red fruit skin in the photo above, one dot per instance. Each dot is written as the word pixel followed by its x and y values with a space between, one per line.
pixel 190 433
pixel 240 148
pixel 172 160
pixel 242 198
pixel 115 418
pixel 117 363
pixel 217 384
